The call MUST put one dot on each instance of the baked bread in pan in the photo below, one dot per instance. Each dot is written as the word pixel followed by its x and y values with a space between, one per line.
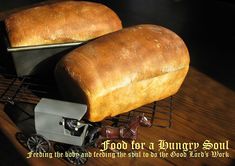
pixel 61 22
pixel 124 70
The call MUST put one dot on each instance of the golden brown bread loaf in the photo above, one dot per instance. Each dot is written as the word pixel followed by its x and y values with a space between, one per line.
pixel 66 21
pixel 124 70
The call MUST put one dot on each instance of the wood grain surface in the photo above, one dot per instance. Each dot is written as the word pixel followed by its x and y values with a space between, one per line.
pixel 203 109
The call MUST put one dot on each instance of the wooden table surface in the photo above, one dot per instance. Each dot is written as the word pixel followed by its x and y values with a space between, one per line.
pixel 203 109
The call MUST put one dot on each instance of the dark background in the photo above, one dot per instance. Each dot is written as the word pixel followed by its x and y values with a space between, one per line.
pixel 207 28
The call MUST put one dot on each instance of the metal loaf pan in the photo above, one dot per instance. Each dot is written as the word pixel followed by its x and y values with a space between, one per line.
pixel 34 60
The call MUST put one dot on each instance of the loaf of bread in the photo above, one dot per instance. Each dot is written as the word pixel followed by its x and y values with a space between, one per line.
pixel 67 21
pixel 124 70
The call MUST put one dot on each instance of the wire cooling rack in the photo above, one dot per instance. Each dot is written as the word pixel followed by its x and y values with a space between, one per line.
pixel 31 89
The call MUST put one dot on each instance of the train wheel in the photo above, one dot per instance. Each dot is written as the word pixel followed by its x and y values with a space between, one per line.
pixel 37 143
pixel 76 155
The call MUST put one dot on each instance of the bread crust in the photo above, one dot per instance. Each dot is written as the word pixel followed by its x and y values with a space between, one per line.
pixel 60 22
pixel 124 70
